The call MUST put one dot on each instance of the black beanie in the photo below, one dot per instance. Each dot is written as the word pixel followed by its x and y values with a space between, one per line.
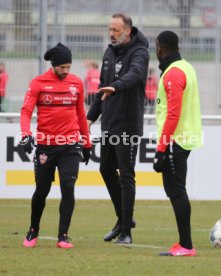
pixel 169 39
pixel 58 55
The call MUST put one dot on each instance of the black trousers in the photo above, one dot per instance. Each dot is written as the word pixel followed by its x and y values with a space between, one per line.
pixel 175 170
pixel 90 98
pixel 174 181
pixel 66 158
pixel 117 168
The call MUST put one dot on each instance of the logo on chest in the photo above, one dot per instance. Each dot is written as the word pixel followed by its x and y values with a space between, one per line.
pixel 47 99
pixel 58 98
pixel 118 67
pixel 73 90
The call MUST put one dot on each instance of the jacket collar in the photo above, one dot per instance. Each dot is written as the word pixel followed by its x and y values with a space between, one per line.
pixel 164 63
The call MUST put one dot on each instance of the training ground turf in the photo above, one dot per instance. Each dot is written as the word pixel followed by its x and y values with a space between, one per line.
pixel 155 232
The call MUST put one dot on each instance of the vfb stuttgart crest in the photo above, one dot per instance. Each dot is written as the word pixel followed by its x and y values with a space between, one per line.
pixel 73 90
pixel 43 158
pixel 118 67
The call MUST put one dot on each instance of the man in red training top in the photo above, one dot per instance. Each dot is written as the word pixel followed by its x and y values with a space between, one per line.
pixel 61 130
pixel 151 91
pixel 91 81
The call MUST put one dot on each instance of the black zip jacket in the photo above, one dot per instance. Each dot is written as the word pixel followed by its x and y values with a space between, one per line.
pixel 124 68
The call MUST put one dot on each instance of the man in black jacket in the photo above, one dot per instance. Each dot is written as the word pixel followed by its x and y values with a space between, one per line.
pixel 120 102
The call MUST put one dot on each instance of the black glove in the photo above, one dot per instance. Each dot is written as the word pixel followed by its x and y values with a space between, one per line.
pixel 86 152
pixel 27 143
pixel 158 161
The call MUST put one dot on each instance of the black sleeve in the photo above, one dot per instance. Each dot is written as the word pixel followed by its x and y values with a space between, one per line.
pixel 137 72
pixel 95 109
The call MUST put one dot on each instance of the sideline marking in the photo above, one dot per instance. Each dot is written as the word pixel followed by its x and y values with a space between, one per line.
pixel 126 245
pixel 47 238
pixel 142 246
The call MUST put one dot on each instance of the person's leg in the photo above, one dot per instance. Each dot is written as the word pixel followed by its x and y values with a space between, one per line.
pixel 68 167
pixel 93 97
pixel 174 178
pixel 88 99
pixel 38 203
pixel 126 152
pixel 44 167
pixel 108 170
pixel 182 209
pixel 151 106
pixel 44 175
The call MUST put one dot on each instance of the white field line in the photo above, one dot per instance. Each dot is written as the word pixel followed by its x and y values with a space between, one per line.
pixel 125 245
pixel 175 229
pixel 48 238
pixel 142 246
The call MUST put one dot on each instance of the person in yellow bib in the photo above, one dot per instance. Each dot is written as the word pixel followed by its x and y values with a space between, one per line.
pixel 178 132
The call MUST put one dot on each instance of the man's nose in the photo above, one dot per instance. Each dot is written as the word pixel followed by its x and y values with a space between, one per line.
pixel 65 70
pixel 111 33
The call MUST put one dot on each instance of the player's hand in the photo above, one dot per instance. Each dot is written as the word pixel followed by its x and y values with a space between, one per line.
pixel 107 91
pixel 158 161
pixel 27 143
pixel 86 152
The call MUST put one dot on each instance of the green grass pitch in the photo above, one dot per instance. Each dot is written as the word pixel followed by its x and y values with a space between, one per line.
pixel 155 232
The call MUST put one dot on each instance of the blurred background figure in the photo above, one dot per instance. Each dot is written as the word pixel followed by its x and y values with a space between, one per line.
pixel 3 84
pixel 91 81
pixel 151 91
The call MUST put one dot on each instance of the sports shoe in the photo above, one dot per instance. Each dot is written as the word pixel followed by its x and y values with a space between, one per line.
pixel 124 238
pixel 115 232
pixel 178 250
pixel 31 238
pixel 64 242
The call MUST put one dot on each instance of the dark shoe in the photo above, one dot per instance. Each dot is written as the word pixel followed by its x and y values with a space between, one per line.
pixel 133 223
pixel 115 232
pixel 124 239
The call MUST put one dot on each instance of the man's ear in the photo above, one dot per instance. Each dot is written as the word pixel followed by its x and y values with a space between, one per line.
pixel 128 31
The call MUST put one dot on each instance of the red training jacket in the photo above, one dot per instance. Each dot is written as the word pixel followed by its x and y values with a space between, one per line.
pixel 60 110
pixel 92 81
pixel 151 87
pixel 3 83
